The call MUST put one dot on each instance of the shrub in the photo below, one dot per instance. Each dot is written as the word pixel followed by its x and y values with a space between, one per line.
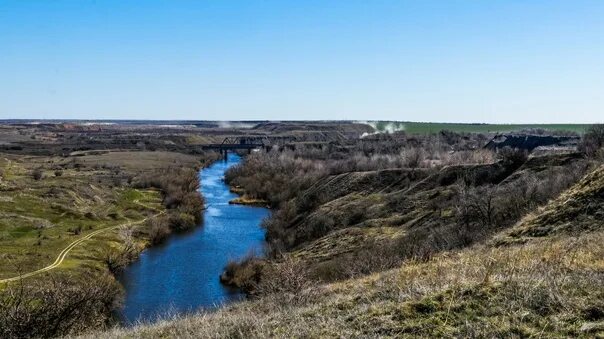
pixel 159 229
pixel 37 174
pixel 512 157
pixel 244 274
pixel 593 140
pixel 287 278
pixel 76 230
pixel 179 187
pixel 56 306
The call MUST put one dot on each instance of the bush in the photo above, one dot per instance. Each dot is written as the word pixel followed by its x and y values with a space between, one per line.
pixel 593 140
pixel 159 229
pixel 287 278
pixel 56 306
pixel 179 187
pixel 37 174
pixel 245 274
pixel 512 157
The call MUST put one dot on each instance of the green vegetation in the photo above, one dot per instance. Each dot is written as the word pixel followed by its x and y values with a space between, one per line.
pixel 65 233
pixel 431 127
pixel 416 243
pixel 42 216
pixel 389 235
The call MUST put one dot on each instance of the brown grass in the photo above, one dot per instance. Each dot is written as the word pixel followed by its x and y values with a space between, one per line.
pixel 551 287
pixel 579 209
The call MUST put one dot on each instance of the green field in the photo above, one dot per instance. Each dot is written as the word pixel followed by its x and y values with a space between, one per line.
pixel 39 218
pixel 433 127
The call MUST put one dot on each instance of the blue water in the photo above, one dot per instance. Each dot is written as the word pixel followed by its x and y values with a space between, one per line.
pixel 182 274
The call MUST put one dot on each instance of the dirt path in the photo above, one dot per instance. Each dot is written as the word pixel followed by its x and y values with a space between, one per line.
pixel 67 249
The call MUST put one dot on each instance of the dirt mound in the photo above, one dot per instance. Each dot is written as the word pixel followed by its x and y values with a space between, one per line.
pixel 530 142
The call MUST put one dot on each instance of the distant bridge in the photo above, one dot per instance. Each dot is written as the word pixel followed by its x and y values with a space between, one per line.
pixel 246 143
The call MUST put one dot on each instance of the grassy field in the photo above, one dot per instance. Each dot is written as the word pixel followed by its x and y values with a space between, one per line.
pixel 430 127
pixel 73 197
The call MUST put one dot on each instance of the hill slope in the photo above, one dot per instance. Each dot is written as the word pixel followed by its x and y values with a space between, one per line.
pixel 549 285
pixel 579 209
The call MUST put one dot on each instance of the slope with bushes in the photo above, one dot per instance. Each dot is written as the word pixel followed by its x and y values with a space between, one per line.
pixel 548 286
pixel 341 219
pixel 50 203
pixel 578 210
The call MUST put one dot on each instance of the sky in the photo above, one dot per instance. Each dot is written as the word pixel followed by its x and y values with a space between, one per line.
pixel 516 61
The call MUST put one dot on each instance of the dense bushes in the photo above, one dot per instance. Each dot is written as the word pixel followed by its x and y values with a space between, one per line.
pixel 244 274
pixel 453 208
pixel 286 278
pixel 159 229
pixel 479 212
pixel 482 210
pixel 454 216
pixel 179 187
pixel 279 176
pixel 275 177
pixel 593 140
pixel 56 306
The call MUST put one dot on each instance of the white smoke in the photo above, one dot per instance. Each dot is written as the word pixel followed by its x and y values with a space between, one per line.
pixel 382 127
pixel 235 124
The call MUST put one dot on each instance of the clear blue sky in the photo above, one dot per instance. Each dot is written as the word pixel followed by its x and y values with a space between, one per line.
pixel 456 61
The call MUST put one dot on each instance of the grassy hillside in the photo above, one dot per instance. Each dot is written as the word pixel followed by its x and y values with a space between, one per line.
pixel 367 221
pixel 548 286
pixel 73 197
pixel 578 210
pixel 68 222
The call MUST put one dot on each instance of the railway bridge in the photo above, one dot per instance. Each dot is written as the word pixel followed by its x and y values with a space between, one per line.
pixel 246 143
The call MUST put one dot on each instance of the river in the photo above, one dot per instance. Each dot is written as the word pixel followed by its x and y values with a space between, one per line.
pixel 182 274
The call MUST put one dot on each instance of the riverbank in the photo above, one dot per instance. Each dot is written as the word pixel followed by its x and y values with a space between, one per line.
pixel 69 218
pixel 533 279
pixel 162 280
pixel 481 291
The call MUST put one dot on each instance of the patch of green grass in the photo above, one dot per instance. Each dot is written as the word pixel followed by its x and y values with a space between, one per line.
pixel 39 218
pixel 434 127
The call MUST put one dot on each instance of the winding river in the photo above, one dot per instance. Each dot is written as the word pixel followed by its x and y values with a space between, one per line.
pixel 182 274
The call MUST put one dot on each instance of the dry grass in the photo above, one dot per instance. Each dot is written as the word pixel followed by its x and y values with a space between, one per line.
pixel 344 241
pixel 139 160
pixel 549 287
pixel 579 209
pixel 245 200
